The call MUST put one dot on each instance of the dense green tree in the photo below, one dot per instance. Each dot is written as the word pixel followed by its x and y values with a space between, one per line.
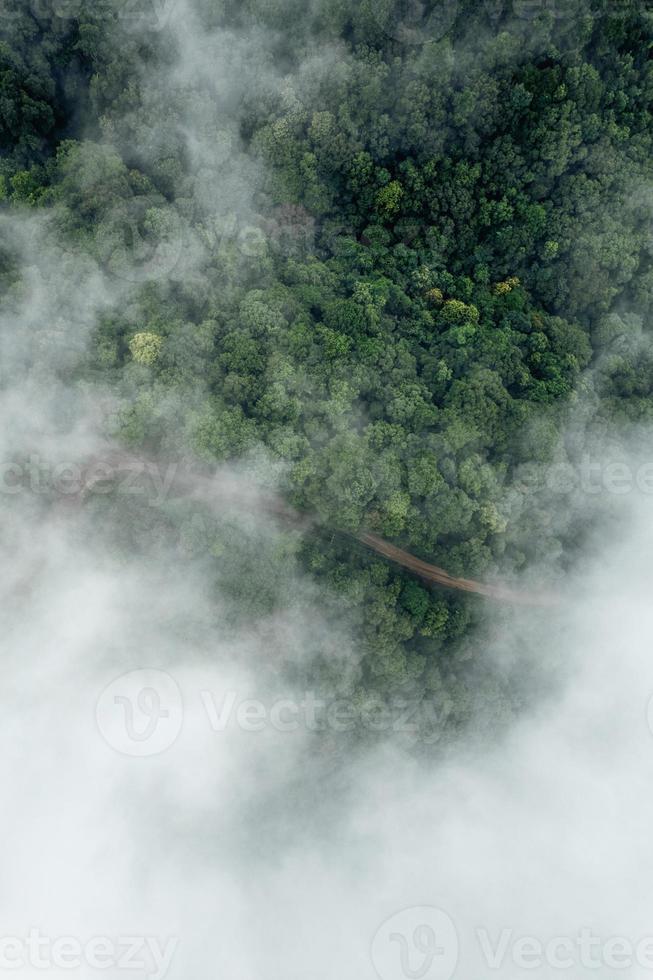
pixel 423 238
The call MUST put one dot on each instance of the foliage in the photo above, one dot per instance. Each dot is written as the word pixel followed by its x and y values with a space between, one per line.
pixel 145 347
pixel 452 227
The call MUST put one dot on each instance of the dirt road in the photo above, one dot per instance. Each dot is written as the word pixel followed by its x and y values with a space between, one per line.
pixel 432 573
pixel 230 491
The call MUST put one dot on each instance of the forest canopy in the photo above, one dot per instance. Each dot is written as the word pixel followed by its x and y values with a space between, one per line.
pixel 387 248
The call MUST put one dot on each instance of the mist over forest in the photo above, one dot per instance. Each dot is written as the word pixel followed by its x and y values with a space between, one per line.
pixel 326 475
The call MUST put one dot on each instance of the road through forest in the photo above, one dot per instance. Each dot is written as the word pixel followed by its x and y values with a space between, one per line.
pixel 119 469
pixel 229 489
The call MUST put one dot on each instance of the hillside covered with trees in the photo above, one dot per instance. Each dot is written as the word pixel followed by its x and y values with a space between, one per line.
pixel 382 253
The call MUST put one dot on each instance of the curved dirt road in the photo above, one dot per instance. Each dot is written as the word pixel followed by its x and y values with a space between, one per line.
pixel 432 573
pixel 229 490
pixel 209 489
